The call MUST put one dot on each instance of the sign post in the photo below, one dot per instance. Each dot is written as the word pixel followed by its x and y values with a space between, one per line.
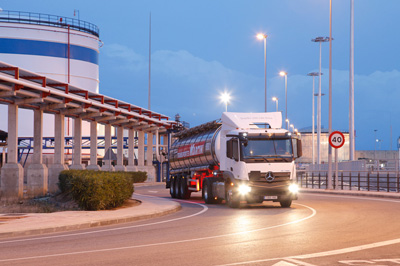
pixel 336 140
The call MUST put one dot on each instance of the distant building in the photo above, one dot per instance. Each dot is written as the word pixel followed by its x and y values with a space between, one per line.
pixel 306 141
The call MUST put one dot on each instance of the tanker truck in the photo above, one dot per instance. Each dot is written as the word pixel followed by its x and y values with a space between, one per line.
pixel 241 157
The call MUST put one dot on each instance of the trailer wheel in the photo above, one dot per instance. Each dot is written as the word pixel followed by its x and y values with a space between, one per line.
pixel 177 187
pixel 207 191
pixel 232 200
pixel 184 191
pixel 172 191
pixel 286 203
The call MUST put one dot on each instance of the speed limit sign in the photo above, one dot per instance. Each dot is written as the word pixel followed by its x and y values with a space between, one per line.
pixel 336 139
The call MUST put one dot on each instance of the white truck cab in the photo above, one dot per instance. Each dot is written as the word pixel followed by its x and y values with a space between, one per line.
pixel 245 156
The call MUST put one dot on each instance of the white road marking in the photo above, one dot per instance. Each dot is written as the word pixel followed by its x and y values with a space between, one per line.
pixel 170 242
pixel 283 263
pixel 337 251
pixel 205 208
pixel 299 262
pixel 152 191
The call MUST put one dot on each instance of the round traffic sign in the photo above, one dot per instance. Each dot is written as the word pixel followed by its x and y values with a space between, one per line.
pixel 336 139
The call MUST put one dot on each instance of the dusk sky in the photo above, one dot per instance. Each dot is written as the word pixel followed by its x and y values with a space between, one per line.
pixel 202 48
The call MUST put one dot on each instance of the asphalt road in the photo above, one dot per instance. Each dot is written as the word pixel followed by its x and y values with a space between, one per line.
pixel 316 230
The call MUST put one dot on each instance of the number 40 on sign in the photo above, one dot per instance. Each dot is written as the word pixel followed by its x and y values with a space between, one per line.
pixel 336 139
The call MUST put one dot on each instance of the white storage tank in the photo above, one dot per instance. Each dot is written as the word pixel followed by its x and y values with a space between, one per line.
pixel 57 47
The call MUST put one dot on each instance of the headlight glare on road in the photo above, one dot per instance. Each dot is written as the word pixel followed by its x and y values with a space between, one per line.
pixel 244 189
pixel 294 188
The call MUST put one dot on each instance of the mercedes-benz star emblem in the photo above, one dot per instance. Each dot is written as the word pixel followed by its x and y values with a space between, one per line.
pixel 269 177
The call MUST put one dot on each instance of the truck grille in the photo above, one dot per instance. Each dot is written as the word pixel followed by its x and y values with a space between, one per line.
pixel 269 179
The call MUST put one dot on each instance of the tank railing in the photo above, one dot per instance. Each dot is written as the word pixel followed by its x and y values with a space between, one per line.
pixel 48 20
pixel 378 181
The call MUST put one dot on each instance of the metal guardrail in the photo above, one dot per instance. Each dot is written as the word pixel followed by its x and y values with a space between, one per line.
pixel 48 20
pixel 378 181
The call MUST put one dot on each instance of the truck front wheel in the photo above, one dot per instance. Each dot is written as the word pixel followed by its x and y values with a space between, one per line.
pixel 232 200
pixel 286 203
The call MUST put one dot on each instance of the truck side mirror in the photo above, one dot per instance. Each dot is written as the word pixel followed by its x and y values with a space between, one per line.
pixel 232 149
pixel 299 148
pixel 229 151
pixel 235 149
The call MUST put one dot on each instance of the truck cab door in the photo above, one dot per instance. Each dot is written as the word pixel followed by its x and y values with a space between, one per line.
pixel 232 154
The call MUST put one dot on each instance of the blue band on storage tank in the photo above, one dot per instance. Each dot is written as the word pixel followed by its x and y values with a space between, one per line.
pixel 53 49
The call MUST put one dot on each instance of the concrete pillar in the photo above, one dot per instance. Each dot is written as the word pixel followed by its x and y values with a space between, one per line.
pixel 141 149
pixel 37 173
pixel 59 151
pixel 157 145
pixel 3 157
pixel 163 143
pixel 120 150
pixel 131 151
pixel 12 173
pixel 107 149
pixel 149 154
pixel 77 163
pixel 93 147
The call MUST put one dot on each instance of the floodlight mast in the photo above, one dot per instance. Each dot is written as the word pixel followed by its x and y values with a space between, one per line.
pixel 320 40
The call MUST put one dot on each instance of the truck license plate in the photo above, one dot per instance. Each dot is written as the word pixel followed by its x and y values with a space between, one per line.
pixel 270 197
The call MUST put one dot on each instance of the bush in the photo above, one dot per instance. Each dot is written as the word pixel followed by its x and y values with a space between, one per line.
pixel 99 190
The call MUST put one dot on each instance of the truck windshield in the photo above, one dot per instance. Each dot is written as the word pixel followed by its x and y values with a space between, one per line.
pixel 267 148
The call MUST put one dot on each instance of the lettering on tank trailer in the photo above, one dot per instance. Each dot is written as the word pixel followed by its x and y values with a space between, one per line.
pixel 191 150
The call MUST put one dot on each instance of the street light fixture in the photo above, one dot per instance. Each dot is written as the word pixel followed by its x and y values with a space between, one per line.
pixel 292 126
pixel 275 99
pixel 225 97
pixel 262 36
pixel 287 123
pixel 284 74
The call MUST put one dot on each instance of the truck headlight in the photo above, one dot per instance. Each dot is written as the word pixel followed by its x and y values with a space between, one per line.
pixel 244 189
pixel 294 188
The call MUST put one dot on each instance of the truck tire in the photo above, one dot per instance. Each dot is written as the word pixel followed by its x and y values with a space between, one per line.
pixel 232 199
pixel 184 191
pixel 286 203
pixel 177 187
pixel 172 191
pixel 207 191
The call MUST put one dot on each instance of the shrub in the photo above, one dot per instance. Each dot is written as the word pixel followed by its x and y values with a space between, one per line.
pixel 99 190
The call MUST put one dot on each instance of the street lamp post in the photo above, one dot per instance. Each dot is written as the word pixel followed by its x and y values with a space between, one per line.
pixel 275 99
pixel 320 40
pixel 262 36
pixel 351 79
pixel 287 123
pixel 292 126
pixel 330 97
pixel 375 144
pixel 313 75
pixel 283 73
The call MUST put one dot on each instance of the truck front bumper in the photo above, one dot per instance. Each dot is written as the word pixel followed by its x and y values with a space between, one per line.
pixel 271 191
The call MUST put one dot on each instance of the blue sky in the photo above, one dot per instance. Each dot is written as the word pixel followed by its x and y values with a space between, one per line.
pixel 201 48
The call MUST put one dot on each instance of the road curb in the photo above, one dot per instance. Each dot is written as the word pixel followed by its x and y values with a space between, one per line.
pixel 390 195
pixel 95 223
